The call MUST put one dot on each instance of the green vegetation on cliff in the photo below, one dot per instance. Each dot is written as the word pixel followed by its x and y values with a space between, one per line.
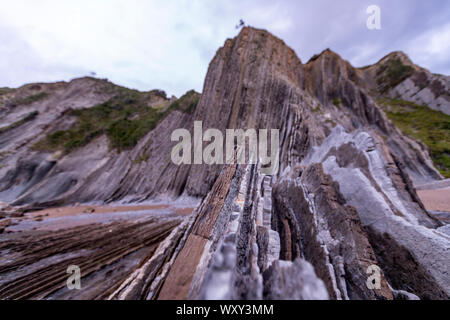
pixel 392 73
pixel 125 119
pixel 30 99
pixel 20 122
pixel 424 124
pixel 4 90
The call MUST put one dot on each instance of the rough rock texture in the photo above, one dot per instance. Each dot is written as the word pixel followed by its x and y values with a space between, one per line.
pixel 286 280
pixel 398 228
pixel 33 263
pixel 95 172
pixel 342 201
pixel 319 226
pixel 398 77
pixel 254 81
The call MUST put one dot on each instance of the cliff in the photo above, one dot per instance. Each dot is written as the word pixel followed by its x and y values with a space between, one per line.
pixel 343 199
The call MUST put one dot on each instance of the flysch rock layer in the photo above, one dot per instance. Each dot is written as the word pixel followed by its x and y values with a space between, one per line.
pixel 343 199
pixel 419 85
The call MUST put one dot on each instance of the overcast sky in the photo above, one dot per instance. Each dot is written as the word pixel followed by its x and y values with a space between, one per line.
pixel 168 45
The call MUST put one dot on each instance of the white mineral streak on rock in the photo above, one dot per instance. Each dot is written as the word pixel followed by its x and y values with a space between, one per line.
pixel 403 295
pixel 134 282
pixel 256 81
pixel 218 283
pixel 273 250
pixel 267 205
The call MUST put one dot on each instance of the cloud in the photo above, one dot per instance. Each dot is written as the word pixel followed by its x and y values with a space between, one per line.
pixel 168 44
pixel 20 61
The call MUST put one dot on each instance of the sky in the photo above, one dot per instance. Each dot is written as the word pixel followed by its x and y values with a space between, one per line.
pixel 145 45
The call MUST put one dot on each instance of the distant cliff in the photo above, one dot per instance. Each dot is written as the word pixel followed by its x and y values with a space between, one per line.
pixel 351 152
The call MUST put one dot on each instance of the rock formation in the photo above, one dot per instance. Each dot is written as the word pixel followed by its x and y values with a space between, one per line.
pixel 342 202
pixel 396 76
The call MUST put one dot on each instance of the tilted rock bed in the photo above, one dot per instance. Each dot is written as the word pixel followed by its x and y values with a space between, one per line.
pixel 342 201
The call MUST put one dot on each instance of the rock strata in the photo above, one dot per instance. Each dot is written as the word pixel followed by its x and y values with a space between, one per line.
pixel 342 203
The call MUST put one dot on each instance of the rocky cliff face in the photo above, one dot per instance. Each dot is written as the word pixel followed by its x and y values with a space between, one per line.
pixel 397 76
pixel 342 203
pixel 61 143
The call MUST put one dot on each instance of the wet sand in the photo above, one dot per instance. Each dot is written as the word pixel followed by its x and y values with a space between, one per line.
pixel 436 200
pixel 73 216
pixel 83 209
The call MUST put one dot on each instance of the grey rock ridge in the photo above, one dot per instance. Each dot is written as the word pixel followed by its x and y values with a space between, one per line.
pixel 344 198
pixel 410 82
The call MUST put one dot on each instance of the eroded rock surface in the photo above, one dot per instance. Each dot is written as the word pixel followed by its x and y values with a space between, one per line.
pixel 342 203
pixel 398 77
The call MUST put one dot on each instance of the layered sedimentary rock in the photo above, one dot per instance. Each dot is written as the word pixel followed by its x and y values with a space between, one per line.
pixel 96 171
pixel 34 263
pixel 254 81
pixel 343 201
